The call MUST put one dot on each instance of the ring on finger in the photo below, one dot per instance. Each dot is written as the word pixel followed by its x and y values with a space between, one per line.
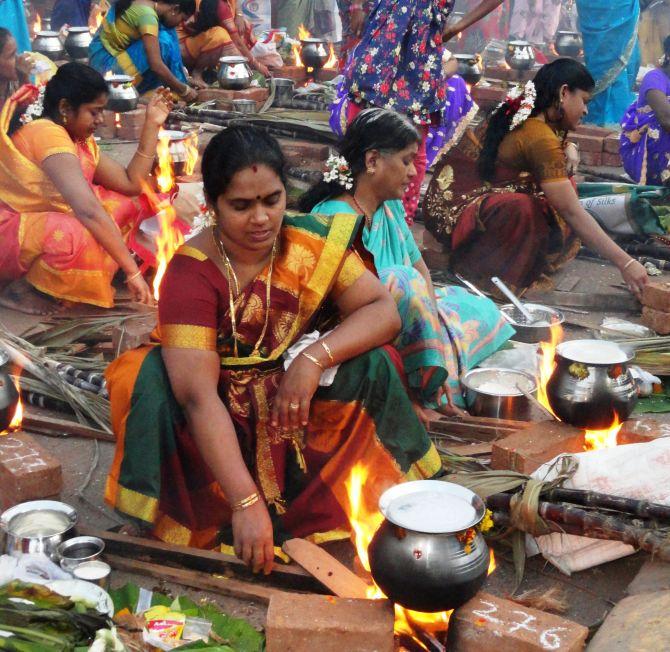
pixel 294 406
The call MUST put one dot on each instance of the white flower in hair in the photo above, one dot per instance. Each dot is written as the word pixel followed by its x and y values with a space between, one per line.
pixel 527 95
pixel 35 109
pixel 339 172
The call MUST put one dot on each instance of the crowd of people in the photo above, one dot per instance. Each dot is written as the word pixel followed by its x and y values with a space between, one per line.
pixel 319 337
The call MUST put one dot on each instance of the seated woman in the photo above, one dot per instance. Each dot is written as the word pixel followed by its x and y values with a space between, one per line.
pixel 506 206
pixel 244 441
pixel 138 38
pixel 14 68
pixel 645 135
pixel 64 206
pixel 445 331
pixel 214 34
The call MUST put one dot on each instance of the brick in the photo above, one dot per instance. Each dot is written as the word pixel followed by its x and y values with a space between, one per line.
pixel 225 97
pixel 587 143
pixel 612 160
pixel 656 294
pixel 652 577
pixel 593 159
pixel 657 320
pixel 639 431
pixel 591 130
pixel 27 471
pixel 327 74
pixel 132 334
pixel 611 144
pixel 131 124
pixel 296 73
pixel 638 623
pixel 490 623
pixel 107 130
pixel 304 623
pixel 302 154
pixel 528 449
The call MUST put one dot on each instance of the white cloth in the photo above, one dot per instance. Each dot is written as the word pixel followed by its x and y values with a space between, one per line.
pixel 328 376
pixel 34 569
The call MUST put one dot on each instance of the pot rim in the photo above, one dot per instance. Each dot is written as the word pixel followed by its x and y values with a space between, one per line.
pixel 47 33
pixel 519 43
pixel 38 505
pixel 448 489
pixel 118 79
pixel 78 30
pixel 233 59
pixel 554 312
pixel 313 41
pixel 629 354
pixel 474 372
pixel 74 541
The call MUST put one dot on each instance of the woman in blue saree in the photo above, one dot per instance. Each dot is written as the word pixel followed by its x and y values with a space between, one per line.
pixel 612 53
pixel 445 331
pixel 138 38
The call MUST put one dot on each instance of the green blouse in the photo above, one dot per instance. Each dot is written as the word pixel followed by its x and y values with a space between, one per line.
pixel 137 21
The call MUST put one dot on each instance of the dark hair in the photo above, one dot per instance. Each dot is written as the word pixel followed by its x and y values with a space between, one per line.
pixel 208 16
pixel 4 37
pixel 548 82
pixel 75 82
pixel 185 6
pixel 237 148
pixel 380 129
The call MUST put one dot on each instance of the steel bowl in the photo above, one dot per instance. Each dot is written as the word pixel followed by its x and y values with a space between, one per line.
pixel 76 551
pixel 314 53
pixel 49 44
pixel 283 92
pixel 77 42
pixel 591 385
pixel 234 73
pixel 520 55
pixel 419 556
pixel 493 393
pixel 123 95
pixel 37 527
pixel 469 67
pixel 244 106
pixel 532 333
pixel 569 44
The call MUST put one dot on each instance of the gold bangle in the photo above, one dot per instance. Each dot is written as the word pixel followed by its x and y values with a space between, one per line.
pixel 246 502
pixel 151 157
pixel 311 358
pixel 133 277
pixel 326 348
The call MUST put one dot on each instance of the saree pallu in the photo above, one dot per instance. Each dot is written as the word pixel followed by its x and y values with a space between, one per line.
pixel 42 239
pixel 612 54
pixel 13 18
pixel 134 62
pixel 159 476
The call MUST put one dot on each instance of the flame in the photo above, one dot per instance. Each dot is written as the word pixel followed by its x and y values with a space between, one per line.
pixel 364 523
pixel 17 419
pixel 117 123
pixel 607 438
pixel 109 74
pixel 165 177
pixel 168 240
pixel 95 19
pixel 332 59
pixel 296 55
pixel 303 33
pixel 492 562
pixel 191 145
pixel 547 364
pixel 37 25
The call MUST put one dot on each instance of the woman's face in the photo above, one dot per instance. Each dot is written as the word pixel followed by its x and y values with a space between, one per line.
pixel 8 61
pixel 82 122
pixel 575 107
pixel 250 211
pixel 171 16
pixel 393 172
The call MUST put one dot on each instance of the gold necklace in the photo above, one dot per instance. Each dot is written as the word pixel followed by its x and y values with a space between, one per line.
pixel 232 276
pixel 368 220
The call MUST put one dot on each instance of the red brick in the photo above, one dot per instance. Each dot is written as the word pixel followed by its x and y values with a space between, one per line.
pixel 107 130
pixel 297 73
pixel 528 449
pixel 490 623
pixel 587 143
pixel 657 320
pixel 305 623
pixel 593 159
pixel 131 124
pixel 611 144
pixel 612 160
pixel 590 130
pixel 27 471
pixel 656 294
pixel 636 431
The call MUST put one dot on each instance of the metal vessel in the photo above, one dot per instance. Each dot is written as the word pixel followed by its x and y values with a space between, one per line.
pixel 49 44
pixel 77 42
pixel 234 73
pixel 123 95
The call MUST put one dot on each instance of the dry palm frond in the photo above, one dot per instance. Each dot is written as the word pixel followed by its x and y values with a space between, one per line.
pixel 87 407
pixel 66 332
pixel 552 600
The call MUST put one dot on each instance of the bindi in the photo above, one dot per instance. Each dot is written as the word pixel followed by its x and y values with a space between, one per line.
pixel 254 168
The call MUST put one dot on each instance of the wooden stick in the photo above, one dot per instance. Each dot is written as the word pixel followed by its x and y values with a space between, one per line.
pixel 50 426
pixel 536 403
pixel 195 579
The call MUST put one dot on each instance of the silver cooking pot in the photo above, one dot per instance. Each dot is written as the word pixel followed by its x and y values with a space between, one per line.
pixel 520 55
pixel 49 44
pixel 123 95
pixel 234 73
pixel 77 42
pixel 38 526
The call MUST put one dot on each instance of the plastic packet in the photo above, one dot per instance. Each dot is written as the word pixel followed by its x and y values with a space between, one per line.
pixel 196 629
pixel 164 625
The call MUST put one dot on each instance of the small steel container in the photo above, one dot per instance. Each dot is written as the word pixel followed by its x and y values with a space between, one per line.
pixel 244 106
pixel 314 53
pixel 569 44
pixel 98 572
pixel 530 333
pixel 78 550
pixel 284 89
pixel 484 395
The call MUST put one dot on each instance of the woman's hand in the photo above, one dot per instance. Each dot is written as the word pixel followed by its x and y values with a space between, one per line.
pixel 263 69
pixel 290 408
pixel 449 33
pixel 357 20
pixel 159 107
pixel 636 277
pixel 252 537
pixel 572 156
pixel 189 95
pixel 24 64
pixel 449 409
pixel 140 290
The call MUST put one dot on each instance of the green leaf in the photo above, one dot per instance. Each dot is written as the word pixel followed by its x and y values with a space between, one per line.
pixel 241 635
pixel 125 598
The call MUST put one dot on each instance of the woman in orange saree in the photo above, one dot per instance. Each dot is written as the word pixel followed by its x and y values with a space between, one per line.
pixel 65 207
pixel 258 444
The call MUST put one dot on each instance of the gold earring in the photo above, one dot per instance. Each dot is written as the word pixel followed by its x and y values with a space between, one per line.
pixel 64 116
pixel 371 171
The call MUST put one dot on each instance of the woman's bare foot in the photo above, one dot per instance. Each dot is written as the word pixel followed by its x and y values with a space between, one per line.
pixel 21 296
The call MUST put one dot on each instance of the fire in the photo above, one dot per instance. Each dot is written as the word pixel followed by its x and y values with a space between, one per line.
pixel 364 523
pixel 95 19
pixel 492 562
pixel 303 32
pixel 607 438
pixel 547 364
pixel 17 419
pixel 296 55
pixel 165 177
pixel 37 25
pixel 191 145
pixel 117 123
pixel 332 59
pixel 168 240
